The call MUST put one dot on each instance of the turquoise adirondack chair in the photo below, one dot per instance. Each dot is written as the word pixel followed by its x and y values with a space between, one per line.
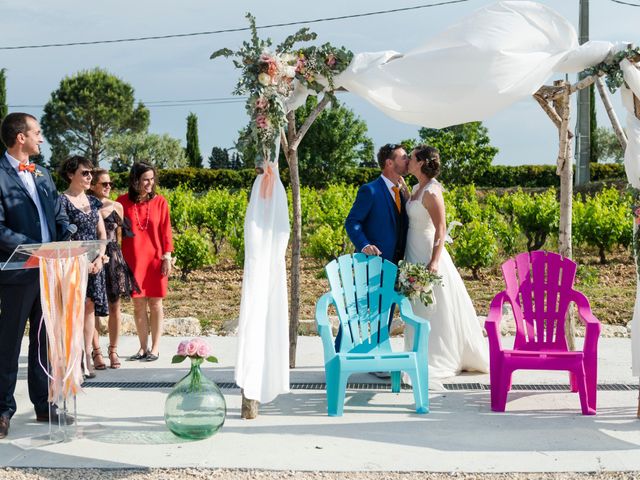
pixel 362 291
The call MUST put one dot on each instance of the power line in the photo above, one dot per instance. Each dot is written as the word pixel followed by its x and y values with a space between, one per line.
pixel 170 103
pixel 626 3
pixel 231 30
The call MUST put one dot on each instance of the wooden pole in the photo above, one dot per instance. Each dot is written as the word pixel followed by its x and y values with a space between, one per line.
pixel 615 123
pixel 296 239
pixel 293 141
pixel 565 170
pixel 249 409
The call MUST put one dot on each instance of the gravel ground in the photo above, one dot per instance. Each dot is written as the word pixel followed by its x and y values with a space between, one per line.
pixel 205 473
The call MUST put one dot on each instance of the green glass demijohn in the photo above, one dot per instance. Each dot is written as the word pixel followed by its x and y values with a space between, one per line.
pixel 195 408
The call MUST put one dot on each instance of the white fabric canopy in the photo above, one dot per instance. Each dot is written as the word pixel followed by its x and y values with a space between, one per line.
pixel 493 58
pixel 262 366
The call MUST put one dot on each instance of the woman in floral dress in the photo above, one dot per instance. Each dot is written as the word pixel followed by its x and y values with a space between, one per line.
pixel 84 212
pixel 119 277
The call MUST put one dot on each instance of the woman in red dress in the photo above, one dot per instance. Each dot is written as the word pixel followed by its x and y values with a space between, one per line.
pixel 148 253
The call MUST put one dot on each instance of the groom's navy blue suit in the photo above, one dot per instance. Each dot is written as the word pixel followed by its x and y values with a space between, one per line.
pixel 374 220
pixel 20 289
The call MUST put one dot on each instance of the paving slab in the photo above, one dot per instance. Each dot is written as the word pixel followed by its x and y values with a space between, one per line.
pixel 541 431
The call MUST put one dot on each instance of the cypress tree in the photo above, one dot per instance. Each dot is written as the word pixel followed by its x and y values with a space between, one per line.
pixel 192 151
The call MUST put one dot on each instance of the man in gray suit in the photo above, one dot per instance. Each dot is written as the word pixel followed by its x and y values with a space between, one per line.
pixel 30 212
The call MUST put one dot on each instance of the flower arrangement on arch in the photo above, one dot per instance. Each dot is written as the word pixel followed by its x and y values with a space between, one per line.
pixel 196 348
pixel 415 281
pixel 269 75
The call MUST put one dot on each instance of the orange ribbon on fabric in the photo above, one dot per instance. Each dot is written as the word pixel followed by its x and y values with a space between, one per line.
pixel 268 180
pixel 30 167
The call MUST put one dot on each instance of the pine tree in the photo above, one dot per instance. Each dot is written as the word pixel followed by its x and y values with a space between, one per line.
pixel 4 108
pixel 192 151
pixel 219 158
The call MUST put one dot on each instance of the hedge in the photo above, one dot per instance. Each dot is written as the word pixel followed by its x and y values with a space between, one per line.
pixel 496 176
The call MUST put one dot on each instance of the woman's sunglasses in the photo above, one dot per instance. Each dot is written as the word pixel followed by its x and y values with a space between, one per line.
pixel 107 184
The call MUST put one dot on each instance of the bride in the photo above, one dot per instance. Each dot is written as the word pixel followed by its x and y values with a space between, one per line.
pixel 456 342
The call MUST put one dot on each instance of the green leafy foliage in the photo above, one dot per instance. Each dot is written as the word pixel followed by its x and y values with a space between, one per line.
pixel 495 225
pixel 191 251
pixel 465 202
pixel 335 144
pixel 323 216
pixel 603 221
pixel 86 110
pixel 218 213
pixel 465 150
pixel 607 146
pixel 611 67
pixel 538 216
pixel 182 205
pixel 163 151
pixel 502 222
pixel 219 158
pixel 475 247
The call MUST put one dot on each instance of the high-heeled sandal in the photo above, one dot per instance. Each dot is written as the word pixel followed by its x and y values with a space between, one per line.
pixel 98 359
pixel 114 359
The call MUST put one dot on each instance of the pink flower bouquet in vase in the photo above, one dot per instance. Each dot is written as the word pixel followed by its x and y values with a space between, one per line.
pixel 195 408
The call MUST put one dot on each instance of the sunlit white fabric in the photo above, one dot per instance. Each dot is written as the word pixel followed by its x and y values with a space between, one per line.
pixel 489 60
pixel 632 167
pixel 262 366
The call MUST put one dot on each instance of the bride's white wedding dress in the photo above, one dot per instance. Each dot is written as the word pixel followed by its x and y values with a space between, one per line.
pixel 456 342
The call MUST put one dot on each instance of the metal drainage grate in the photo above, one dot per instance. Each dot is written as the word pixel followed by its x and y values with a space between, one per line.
pixel 615 387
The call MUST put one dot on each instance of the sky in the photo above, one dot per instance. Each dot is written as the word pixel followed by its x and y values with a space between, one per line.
pixel 180 69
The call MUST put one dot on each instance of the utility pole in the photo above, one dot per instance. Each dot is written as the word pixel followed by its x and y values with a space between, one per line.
pixel 583 127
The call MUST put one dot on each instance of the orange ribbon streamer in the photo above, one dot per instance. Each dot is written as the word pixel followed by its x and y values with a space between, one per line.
pixel 268 180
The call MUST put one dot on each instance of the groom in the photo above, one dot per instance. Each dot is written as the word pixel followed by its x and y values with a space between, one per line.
pixel 377 223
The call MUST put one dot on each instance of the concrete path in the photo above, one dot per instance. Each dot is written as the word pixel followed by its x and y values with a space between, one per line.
pixel 542 431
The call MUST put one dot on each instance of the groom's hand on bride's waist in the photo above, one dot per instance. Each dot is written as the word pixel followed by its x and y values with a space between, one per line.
pixel 371 250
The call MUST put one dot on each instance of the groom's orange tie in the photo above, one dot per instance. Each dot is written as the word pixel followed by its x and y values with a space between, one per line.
pixel 396 192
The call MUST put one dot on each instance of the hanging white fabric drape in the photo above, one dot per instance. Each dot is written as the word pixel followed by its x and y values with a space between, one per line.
pixel 262 366
pixel 632 168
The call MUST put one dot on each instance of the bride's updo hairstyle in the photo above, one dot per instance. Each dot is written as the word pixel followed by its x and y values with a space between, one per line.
pixel 430 160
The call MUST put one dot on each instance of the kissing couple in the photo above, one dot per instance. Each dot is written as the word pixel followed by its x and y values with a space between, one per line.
pixel 395 222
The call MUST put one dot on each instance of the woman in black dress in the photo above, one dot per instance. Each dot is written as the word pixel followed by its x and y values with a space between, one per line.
pixel 120 281
pixel 84 212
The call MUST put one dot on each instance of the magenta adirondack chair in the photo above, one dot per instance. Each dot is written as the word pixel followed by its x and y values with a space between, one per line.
pixel 539 287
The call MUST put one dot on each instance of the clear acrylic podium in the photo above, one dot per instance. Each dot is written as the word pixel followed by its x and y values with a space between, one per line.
pixel 64 269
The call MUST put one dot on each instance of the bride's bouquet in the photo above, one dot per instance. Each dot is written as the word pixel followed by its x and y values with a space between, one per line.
pixel 415 281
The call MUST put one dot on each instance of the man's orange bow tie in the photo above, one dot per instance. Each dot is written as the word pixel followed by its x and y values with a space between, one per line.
pixel 31 167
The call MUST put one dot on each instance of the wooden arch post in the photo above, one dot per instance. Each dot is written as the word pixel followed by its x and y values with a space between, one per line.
pixel 289 143
pixel 556 102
